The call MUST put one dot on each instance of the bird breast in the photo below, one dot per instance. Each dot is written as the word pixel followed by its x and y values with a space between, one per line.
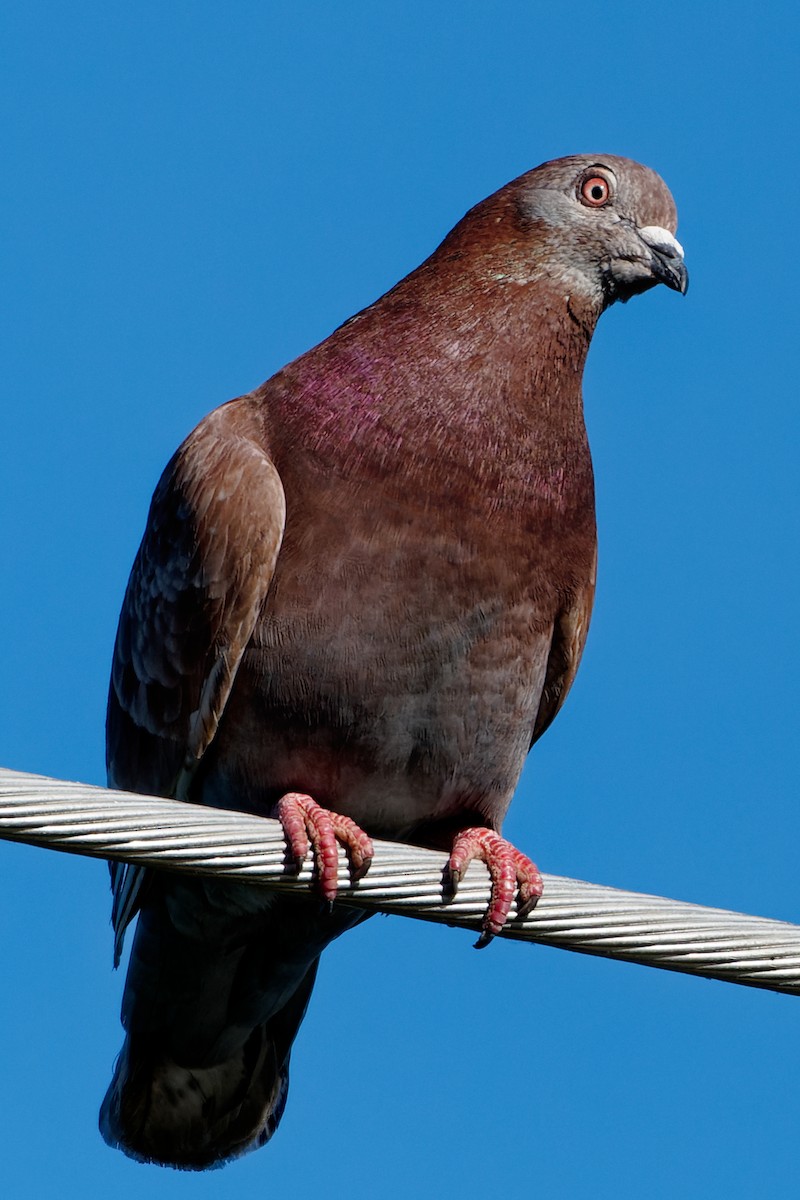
pixel 396 671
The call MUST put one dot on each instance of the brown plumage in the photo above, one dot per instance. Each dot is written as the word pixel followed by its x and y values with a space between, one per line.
pixel 368 582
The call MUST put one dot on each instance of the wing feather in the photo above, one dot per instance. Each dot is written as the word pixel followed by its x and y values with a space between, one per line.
pixel 566 648
pixel 198 584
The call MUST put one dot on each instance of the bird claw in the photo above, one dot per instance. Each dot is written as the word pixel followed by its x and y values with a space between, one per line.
pixel 510 871
pixel 307 824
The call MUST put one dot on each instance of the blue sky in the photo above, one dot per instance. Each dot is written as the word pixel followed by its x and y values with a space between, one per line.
pixel 196 193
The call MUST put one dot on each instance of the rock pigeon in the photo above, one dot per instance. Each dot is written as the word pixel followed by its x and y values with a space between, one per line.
pixel 362 594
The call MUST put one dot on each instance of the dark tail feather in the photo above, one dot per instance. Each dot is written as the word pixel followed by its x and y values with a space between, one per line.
pixel 158 1110
pixel 218 983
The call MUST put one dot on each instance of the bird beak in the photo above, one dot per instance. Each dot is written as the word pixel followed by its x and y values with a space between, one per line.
pixel 667 262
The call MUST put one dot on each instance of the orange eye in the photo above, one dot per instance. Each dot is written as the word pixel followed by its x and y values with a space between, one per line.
pixel 595 191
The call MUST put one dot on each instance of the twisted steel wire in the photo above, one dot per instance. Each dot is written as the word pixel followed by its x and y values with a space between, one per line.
pixel 573 915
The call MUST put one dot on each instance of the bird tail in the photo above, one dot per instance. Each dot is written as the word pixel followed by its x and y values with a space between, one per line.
pixel 193 1117
pixel 218 983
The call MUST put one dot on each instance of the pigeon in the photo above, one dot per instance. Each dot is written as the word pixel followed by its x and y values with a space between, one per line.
pixel 362 594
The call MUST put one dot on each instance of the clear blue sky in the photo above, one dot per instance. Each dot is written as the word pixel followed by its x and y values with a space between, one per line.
pixel 194 194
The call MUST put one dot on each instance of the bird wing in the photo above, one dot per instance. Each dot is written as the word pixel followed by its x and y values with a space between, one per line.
pixel 569 638
pixel 196 589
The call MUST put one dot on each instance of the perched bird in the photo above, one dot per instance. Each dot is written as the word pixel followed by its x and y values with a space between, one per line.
pixel 362 594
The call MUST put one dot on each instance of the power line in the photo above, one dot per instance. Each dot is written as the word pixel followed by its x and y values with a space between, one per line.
pixel 406 880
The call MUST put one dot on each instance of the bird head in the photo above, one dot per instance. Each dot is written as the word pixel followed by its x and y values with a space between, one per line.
pixel 603 224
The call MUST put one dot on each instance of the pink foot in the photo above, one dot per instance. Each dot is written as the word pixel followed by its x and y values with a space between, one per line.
pixel 508 868
pixel 303 820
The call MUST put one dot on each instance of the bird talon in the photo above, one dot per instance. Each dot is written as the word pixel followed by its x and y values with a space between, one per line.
pixel 510 871
pixel 527 908
pixel 307 824
pixel 359 872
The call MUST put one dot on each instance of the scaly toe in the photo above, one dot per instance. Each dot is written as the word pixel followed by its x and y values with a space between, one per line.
pixel 508 868
pixel 304 820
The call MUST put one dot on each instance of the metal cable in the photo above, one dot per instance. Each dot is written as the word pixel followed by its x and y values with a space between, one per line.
pixel 403 879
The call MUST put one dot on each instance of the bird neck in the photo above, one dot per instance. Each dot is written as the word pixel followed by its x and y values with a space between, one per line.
pixel 485 345
pixel 452 376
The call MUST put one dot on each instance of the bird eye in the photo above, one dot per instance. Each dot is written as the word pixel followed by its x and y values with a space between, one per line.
pixel 594 191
